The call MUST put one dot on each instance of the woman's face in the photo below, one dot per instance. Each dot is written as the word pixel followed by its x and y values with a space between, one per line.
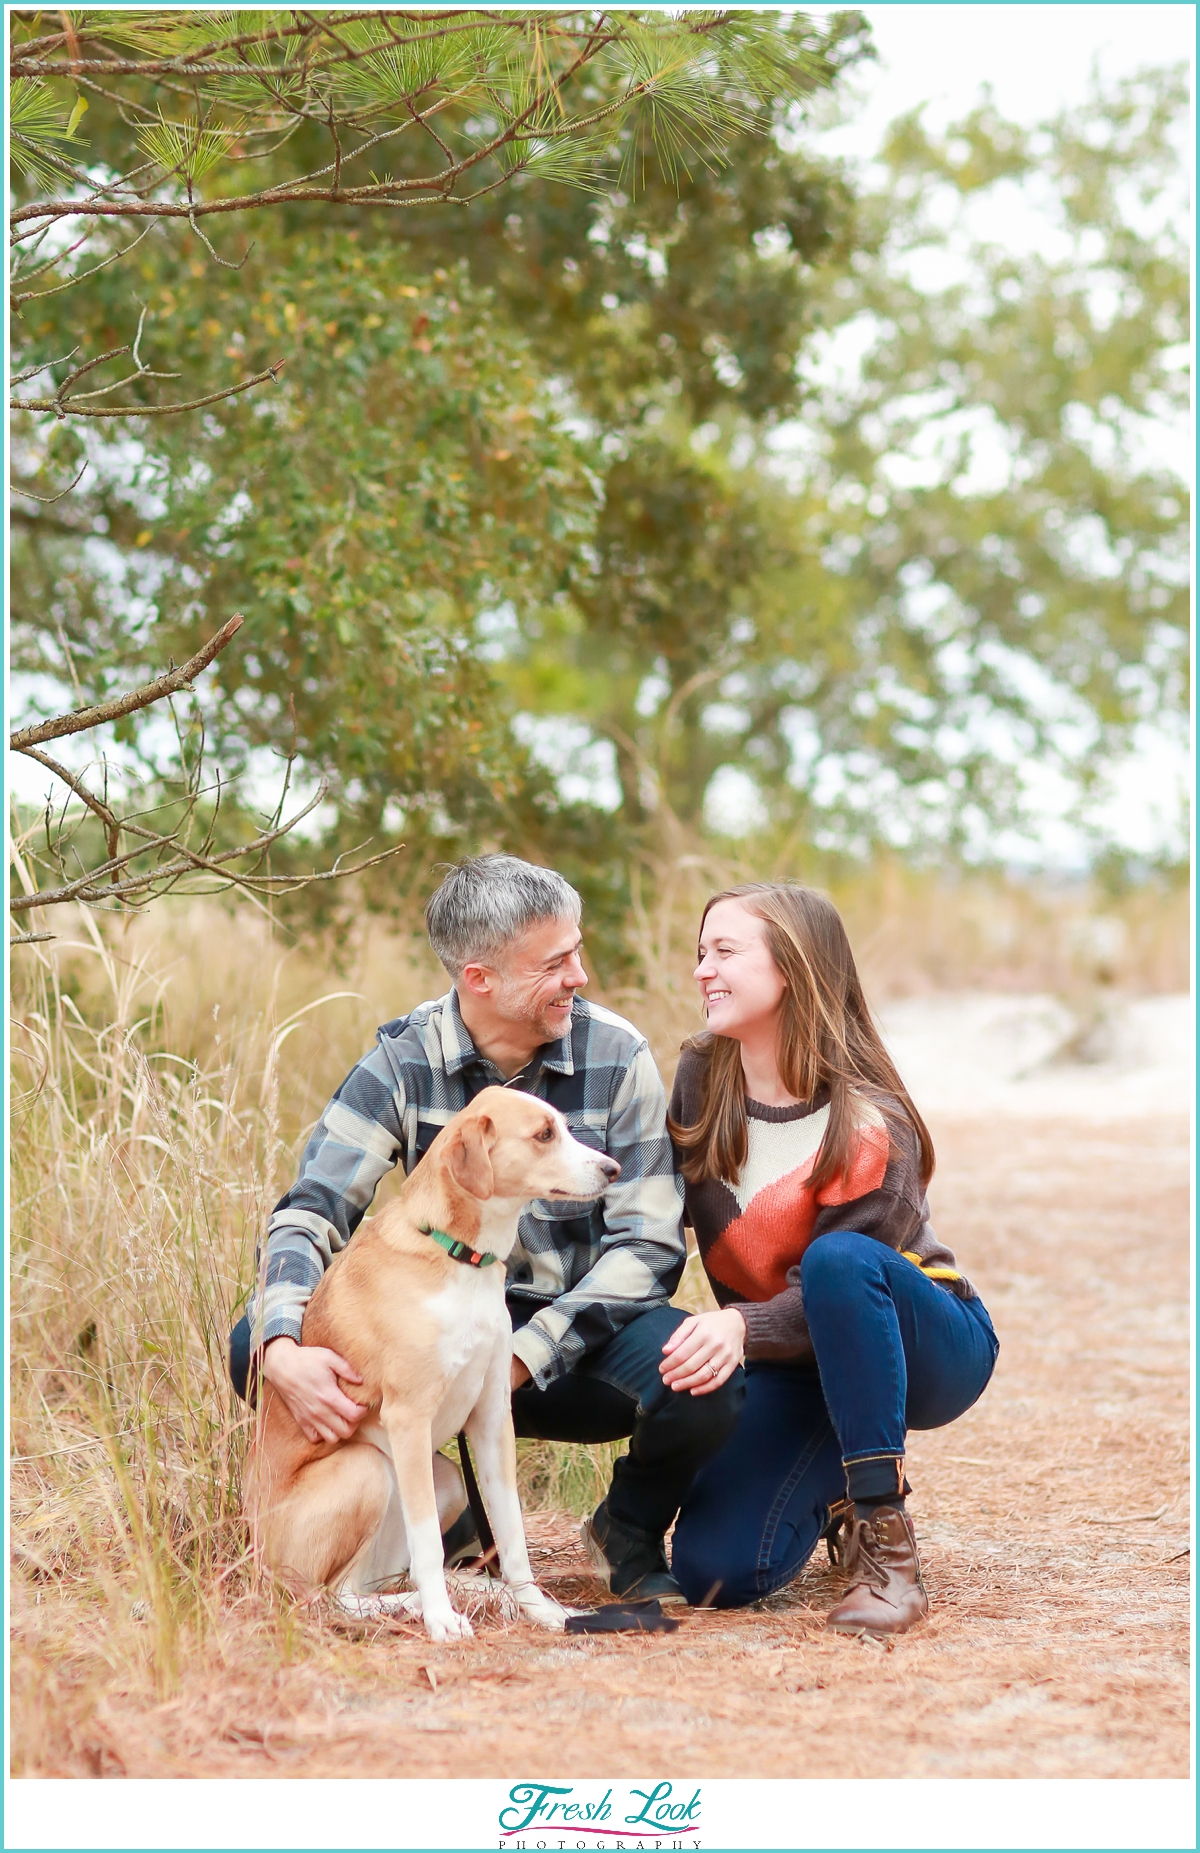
pixel 741 984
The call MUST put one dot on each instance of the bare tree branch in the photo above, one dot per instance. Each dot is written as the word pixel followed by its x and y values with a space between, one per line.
pixel 30 373
pixel 49 263
pixel 89 889
pixel 86 718
pixel 87 367
pixel 77 786
pixel 82 276
pixel 114 882
pixel 73 408
pixel 47 500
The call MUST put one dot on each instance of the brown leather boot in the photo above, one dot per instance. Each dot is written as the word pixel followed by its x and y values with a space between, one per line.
pixel 886 1595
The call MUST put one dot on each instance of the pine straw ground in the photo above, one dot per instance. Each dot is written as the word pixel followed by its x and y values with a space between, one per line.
pixel 1053 1519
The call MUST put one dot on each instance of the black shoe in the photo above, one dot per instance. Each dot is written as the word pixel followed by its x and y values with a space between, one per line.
pixel 633 1563
pixel 460 1540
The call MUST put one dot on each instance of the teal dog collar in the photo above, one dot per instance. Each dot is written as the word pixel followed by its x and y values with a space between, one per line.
pixel 459 1251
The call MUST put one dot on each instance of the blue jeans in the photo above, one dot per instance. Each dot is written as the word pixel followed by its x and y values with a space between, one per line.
pixel 894 1351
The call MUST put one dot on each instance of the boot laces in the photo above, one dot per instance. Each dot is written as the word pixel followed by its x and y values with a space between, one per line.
pixel 864 1561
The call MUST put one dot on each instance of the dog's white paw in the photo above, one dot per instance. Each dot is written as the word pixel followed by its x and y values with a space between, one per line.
pixel 546 1615
pixel 542 1610
pixel 379 1608
pixel 445 1625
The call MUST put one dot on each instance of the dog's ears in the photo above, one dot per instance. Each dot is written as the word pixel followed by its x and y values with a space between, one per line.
pixel 470 1164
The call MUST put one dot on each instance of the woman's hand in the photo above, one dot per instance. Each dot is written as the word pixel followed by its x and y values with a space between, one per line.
pixel 306 1376
pixel 704 1351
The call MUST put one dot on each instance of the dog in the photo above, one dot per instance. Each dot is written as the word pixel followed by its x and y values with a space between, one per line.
pixel 431 1335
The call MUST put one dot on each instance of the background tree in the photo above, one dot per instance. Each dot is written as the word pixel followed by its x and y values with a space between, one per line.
pixel 1005 530
pixel 410 474
pixel 964 553
pixel 574 510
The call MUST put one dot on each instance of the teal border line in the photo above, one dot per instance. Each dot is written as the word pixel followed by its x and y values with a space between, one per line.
pixel 282 1846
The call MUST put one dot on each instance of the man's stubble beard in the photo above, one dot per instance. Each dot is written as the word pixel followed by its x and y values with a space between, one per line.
pixel 517 1006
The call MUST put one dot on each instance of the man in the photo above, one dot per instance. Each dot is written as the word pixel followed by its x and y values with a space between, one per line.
pixel 588 1284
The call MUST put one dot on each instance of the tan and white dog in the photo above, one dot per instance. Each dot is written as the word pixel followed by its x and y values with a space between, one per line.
pixel 432 1338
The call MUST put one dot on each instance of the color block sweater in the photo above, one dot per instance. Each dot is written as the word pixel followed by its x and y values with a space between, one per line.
pixel 752 1235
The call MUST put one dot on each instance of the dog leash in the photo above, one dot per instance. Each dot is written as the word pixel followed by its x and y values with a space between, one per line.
pixel 611 1618
pixel 525 1082
pixel 487 1542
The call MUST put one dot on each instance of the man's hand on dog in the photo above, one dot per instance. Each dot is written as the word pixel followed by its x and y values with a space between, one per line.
pixel 519 1374
pixel 306 1376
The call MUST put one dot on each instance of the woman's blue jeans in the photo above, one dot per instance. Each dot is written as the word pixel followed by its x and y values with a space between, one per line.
pixel 895 1350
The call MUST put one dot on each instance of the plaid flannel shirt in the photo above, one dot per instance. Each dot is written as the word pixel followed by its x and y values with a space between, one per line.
pixel 591 1267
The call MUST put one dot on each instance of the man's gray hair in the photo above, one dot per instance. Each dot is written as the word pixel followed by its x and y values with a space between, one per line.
pixel 487 902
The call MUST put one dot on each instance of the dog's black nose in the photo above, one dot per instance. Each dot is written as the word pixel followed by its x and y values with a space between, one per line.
pixel 609 1166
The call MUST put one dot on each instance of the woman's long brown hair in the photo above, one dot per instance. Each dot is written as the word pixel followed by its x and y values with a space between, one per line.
pixel 827 1041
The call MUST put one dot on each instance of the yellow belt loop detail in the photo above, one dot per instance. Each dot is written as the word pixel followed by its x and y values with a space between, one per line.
pixel 930 1273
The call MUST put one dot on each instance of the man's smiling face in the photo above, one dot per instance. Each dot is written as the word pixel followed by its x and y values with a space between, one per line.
pixel 539 976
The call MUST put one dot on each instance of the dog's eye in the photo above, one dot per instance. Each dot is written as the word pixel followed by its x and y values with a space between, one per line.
pixel 545 1135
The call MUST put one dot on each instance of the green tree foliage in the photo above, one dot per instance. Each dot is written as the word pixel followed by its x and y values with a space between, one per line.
pixel 1007 541
pixel 420 465
pixel 690 303
pixel 405 472
pixel 965 551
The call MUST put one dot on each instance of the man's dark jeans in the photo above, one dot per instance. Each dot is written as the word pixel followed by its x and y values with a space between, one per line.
pixel 616 1393
pixel 239 1358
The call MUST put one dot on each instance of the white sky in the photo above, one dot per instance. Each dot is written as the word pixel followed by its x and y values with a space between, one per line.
pixel 1037 57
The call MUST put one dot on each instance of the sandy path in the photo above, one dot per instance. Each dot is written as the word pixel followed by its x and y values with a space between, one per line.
pixel 1053 1519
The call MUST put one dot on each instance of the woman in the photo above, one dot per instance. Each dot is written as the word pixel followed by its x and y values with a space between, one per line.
pixel 805 1165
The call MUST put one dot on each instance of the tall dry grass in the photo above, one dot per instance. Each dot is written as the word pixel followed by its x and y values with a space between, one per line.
pixel 138 1176
pixel 166 1071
